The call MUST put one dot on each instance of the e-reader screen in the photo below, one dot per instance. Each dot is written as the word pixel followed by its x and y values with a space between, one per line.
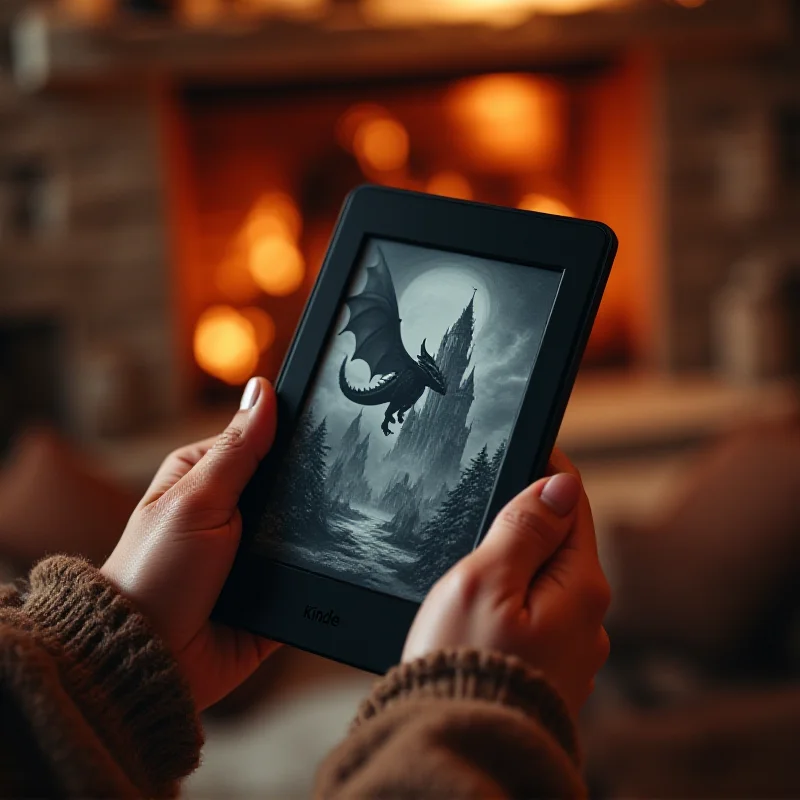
pixel 392 463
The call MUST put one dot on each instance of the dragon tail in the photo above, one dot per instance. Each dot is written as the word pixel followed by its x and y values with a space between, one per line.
pixel 370 396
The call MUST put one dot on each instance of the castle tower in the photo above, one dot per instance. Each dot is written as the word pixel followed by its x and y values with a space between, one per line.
pixel 406 434
pixel 435 435
pixel 448 457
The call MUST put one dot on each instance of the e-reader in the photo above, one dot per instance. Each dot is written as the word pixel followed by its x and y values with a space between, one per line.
pixel 423 389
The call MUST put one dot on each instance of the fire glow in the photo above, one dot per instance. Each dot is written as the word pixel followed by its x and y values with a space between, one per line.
pixel 498 138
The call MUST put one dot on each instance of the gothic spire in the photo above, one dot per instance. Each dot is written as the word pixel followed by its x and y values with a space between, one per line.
pixel 468 387
pixel 466 322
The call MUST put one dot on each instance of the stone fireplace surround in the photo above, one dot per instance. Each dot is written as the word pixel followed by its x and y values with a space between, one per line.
pixel 91 112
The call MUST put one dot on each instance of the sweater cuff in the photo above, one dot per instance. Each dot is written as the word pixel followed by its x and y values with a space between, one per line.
pixel 476 675
pixel 117 671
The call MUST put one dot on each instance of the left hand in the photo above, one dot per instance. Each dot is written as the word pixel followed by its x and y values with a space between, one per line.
pixel 180 543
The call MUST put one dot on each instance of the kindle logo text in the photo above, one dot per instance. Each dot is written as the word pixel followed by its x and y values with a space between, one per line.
pixel 324 618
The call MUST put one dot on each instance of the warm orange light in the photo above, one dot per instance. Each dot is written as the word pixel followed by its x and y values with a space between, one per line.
pixel 88 11
pixel 450 184
pixel 571 6
pixel 508 122
pixel 225 344
pixel 352 119
pixel 491 12
pixel 545 205
pixel 690 3
pixel 200 12
pixel 381 144
pixel 263 326
pixel 233 279
pixel 277 265
pixel 275 214
pixel 299 9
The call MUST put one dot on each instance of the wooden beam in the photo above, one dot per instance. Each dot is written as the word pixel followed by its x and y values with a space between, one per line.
pixel 49 51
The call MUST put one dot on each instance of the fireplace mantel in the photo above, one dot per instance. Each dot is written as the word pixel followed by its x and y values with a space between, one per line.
pixel 51 51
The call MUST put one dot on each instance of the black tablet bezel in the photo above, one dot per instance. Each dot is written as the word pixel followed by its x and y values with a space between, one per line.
pixel 356 625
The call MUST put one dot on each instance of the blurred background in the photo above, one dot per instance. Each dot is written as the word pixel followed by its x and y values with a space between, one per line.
pixel 170 172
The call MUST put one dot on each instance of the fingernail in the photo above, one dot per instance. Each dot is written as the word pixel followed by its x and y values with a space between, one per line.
pixel 250 394
pixel 561 493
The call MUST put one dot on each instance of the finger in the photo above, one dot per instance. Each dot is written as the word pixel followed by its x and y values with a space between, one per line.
pixel 220 476
pixel 175 466
pixel 528 531
pixel 560 463
pixel 582 540
pixel 582 536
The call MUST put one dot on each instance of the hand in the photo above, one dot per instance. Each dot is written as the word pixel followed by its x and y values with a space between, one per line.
pixel 534 588
pixel 179 546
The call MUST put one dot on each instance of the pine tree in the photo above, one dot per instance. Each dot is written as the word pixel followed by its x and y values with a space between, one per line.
pixel 280 513
pixel 467 500
pixel 315 500
pixel 497 458
pixel 453 530
pixel 296 501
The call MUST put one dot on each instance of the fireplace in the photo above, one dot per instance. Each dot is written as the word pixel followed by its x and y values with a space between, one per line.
pixel 263 173
pixel 169 189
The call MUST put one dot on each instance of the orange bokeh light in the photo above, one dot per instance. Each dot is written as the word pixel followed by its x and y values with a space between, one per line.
pixel 500 13
pixel 381 144
pixel 450 184
pixel 225 344
pixel 545 205
pixel 507 122
pixel 275 214
pixel 89 11
pixel 200 12
pixel 277 265
pixel 233 279
pixel 263 326
pixel 348 124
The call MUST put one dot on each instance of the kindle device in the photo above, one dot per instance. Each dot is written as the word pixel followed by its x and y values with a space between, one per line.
pixel 424 388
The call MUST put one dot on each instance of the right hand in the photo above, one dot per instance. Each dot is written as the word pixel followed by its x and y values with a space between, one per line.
pixel 534 588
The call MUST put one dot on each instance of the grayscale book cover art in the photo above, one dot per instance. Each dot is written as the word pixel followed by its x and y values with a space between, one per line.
pixel 394 458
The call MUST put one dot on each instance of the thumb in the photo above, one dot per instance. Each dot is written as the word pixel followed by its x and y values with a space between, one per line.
pixel 529 530
pixel 220 476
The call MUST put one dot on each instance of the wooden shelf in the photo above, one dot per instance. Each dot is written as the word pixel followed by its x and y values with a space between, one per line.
pixel 49 51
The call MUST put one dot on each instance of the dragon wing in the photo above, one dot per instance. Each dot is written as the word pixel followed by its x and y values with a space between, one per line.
pixel 375 321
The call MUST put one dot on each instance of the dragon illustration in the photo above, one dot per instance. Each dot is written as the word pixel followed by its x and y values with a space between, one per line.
pixel 375 321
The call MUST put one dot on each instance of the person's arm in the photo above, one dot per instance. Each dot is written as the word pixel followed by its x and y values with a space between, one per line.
pixel 458 724
pixel 103 672
pixel 91 703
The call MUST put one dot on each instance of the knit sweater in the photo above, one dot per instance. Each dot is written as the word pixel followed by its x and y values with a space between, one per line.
pixel 93 705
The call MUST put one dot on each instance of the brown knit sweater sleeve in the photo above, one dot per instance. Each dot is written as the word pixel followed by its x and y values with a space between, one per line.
pixel 91 703
pixel 457 725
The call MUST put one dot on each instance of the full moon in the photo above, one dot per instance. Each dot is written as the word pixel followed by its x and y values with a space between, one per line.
pixel 448 289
